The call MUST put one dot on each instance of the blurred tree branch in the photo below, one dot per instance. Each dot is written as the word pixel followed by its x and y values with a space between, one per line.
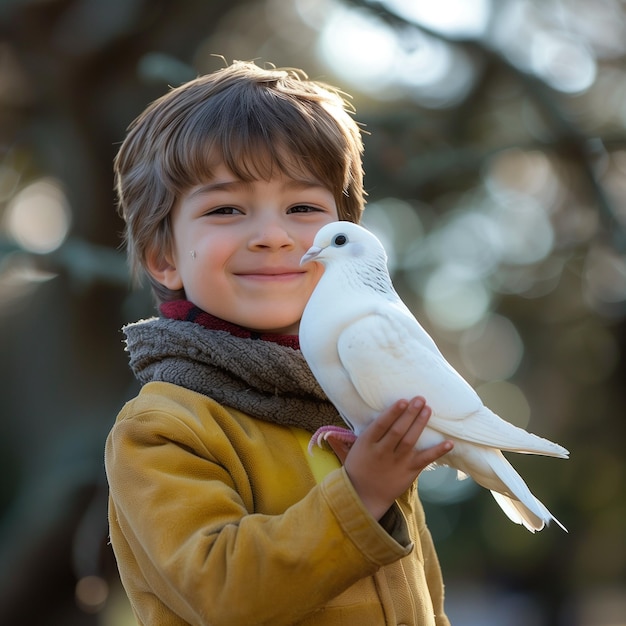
pixel 567 139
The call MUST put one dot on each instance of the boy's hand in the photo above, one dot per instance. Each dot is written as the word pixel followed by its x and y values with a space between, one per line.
pixel 383 462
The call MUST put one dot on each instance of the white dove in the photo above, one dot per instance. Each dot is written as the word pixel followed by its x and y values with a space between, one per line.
pixel 367 350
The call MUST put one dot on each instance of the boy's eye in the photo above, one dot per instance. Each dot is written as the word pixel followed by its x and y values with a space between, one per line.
pixel 303 208
pixel 224 210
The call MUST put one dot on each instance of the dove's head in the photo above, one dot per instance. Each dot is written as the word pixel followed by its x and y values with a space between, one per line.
pixel 346 241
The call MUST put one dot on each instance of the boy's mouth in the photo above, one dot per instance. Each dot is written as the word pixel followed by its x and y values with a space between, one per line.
pixel 273 273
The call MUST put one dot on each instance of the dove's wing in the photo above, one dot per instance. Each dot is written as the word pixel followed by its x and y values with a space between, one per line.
pixel 386 360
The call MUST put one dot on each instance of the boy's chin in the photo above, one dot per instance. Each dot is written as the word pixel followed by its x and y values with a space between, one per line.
pixel 272 319
pixel 288 328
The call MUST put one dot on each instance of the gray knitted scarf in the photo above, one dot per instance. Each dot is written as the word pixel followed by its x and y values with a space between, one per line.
pixel 264 379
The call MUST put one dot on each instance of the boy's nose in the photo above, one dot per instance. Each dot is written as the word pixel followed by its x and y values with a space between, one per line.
pixel 270 234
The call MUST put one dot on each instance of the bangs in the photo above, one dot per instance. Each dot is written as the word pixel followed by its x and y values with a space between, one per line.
pixel 255 135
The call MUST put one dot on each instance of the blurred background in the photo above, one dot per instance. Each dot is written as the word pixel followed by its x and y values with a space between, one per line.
pixel 496 172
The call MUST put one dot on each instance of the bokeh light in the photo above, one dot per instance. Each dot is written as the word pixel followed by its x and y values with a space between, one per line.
pixel 564 62
pixel 536 39
pixel 526 232
pixel 469 240
pixel 455 300
pixel 515 171
pixel 38 216
pixel 368 54
pixel 453 18
pixel 92 593
pixel 361 50
pixel 398 225
pixel 442 485
pixel 492 349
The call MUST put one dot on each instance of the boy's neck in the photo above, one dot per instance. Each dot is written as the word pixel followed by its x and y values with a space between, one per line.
pixel 184 310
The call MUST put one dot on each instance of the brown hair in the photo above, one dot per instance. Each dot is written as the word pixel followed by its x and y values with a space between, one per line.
pixel 252 120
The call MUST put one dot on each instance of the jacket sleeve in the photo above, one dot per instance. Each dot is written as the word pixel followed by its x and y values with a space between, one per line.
pixel 432 569
pixel 187 544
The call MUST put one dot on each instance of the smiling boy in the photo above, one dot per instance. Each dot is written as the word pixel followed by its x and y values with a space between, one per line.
pixel 218 515
pixel 238 244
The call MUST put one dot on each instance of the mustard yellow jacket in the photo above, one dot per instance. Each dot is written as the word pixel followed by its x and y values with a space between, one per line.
pixel 216 518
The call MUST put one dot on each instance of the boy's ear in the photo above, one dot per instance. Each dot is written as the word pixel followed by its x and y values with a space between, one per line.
pixel 163 269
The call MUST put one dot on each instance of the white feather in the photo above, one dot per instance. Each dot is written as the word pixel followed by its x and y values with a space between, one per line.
pixel 367 351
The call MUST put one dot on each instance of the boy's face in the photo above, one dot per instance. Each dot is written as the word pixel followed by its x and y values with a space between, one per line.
pixel 238 245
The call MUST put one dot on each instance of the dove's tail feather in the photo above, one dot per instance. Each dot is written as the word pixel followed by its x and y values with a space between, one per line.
pixel 520 514
pixel 514 438
pixel 538 445
pixel 514 496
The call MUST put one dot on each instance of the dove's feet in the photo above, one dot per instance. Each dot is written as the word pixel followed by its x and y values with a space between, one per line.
pixel 331 433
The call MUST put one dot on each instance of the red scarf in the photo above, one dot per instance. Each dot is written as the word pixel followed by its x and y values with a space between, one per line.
pixel 186 311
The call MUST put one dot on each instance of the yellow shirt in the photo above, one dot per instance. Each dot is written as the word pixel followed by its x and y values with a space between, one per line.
pixel 217 518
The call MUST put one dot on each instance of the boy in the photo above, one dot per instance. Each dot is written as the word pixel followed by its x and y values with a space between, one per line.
pixel 218 515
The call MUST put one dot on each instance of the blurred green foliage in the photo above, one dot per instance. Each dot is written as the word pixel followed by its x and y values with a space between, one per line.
pixel 504 203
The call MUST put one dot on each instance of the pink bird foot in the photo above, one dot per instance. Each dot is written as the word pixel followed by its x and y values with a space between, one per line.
pixel 335 436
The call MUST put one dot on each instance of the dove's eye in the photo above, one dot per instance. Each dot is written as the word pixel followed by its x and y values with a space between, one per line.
pixel 340 240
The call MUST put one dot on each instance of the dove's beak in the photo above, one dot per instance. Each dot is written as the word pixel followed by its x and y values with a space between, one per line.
pixel 311 255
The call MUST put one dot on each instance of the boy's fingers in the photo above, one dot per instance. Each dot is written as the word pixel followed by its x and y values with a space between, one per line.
pixel 379 427
pixel 406 430
pixel 392 419
pixel 430 455
pixel 416 428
